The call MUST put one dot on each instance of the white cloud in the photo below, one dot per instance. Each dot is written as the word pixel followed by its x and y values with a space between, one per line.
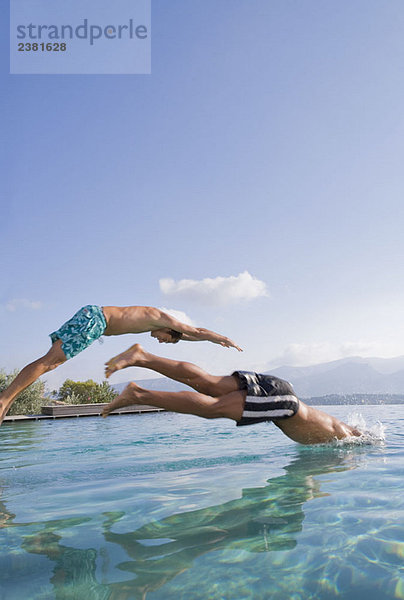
pixel 216 291
pixel 179 315
pixel 22 303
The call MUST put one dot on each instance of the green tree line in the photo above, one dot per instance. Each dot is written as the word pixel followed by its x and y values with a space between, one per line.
pixel 71 392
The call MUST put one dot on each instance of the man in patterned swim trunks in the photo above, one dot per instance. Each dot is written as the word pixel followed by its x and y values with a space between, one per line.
pixel 245 397
pixel 89 324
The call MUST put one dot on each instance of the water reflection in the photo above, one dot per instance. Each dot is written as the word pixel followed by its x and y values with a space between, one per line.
pixel 264 519
pixel 6 518
pixel 74 569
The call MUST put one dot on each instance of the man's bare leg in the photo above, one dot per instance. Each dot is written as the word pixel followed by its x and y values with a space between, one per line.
pixel 188 373
pixel 29 374
pixel 229 406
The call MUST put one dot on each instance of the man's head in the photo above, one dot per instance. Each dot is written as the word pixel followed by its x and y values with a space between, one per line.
pixel 166 336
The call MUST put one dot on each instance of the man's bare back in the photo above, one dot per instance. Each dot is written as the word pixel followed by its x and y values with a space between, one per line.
pixel 312 426
pixel 132 319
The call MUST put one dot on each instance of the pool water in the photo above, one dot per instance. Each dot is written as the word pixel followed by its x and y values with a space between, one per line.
pixel 166 506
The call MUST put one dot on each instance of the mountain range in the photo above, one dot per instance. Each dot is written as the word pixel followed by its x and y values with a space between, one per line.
pixel 347 376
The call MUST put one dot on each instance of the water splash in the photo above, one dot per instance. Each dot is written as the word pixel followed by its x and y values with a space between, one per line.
pixel 370 433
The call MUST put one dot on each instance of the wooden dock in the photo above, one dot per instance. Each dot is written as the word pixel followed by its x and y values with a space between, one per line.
pixel 67 411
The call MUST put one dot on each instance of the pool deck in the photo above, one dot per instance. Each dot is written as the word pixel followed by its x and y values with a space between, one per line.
pixel 80 410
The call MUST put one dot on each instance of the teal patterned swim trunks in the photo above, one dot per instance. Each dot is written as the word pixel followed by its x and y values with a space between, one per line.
pixel 86 326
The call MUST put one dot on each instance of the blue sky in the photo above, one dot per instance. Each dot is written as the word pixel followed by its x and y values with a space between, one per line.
pixel 268 139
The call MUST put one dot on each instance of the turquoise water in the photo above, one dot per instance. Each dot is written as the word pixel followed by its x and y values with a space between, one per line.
pixel 166 506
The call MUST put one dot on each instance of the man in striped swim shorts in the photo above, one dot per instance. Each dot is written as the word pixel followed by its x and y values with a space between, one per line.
pixel 245 397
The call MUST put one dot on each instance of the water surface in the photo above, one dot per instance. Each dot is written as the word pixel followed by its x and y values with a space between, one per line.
pixel 166 506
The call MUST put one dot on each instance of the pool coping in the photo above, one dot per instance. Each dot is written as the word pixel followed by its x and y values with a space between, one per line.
pixel 69 411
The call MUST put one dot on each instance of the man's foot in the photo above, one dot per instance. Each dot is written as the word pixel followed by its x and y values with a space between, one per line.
pixel 129 358
pixel 130 395
pixel 4 406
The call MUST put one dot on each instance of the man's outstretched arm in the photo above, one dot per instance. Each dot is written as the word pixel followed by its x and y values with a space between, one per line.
pixel 189 333
pixel 210 336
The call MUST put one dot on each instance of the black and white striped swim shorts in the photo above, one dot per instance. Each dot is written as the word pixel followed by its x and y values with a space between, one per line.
pixel 268 398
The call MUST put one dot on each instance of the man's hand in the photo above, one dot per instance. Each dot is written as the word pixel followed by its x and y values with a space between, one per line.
pixel 230 344
pixel 216 338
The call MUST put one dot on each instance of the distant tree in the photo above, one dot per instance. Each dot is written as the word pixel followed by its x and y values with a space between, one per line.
pixel 85 392
pixel 29 402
